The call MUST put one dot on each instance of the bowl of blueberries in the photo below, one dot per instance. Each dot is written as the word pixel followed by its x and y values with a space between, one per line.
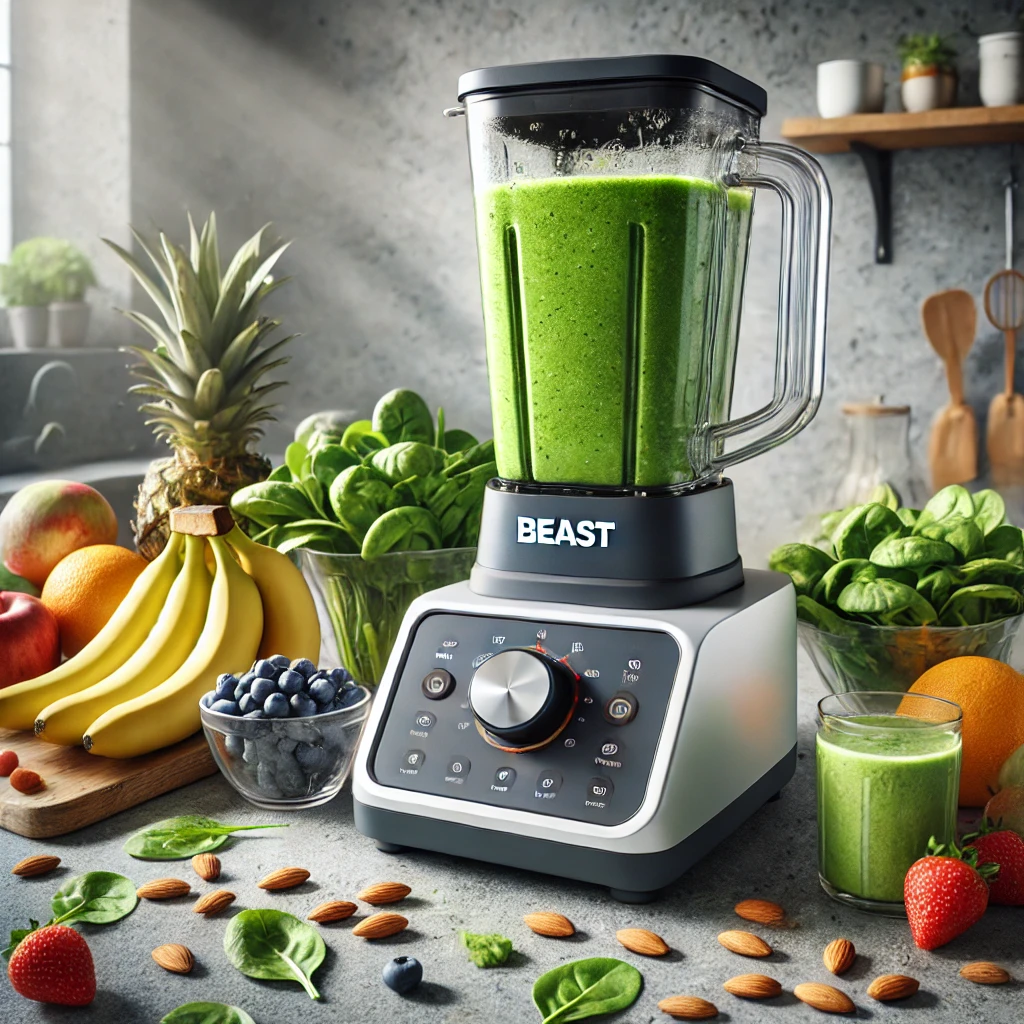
pixel 284 733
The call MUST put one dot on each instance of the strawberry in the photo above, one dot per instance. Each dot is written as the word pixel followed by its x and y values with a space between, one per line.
pixel 1006 849
pixel 945 894
pixel 53 965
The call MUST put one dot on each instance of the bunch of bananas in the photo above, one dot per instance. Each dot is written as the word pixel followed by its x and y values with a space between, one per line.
pixel 136 686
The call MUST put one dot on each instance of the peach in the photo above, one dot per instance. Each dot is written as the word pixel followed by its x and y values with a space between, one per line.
pixel 45 521
pixel 29 638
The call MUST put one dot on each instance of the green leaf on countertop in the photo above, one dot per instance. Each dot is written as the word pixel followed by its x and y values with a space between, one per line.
pixel 98 897
pixel 486 950
pixel 586 988
pixel 207 1013
pixel 271 944
pixel 183 837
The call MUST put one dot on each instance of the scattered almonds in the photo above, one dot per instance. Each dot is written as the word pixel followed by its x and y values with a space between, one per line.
pixel 640 940
pixel 688 1008
pixel 744 943
pixel 892 986
pixel 163 889
pixel 753 986
pixel 760 912
pixel 824 998
pixel 24 780
pixel 206 866
pixel 213 902
pixel 39 864
pixel 384 892
pixel 175 958
pixel 550 924
pixel 333 910
pixel 981 972
pixel 839 956
pixel 283 878
pixel 380 926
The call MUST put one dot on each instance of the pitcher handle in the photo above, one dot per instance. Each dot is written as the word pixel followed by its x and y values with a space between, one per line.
pixel 800 184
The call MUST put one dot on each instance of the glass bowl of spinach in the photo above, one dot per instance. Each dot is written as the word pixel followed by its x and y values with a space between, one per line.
pixel 377 513
pixel 893 591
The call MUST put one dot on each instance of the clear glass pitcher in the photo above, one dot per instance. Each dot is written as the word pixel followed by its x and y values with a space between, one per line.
pixel 613 201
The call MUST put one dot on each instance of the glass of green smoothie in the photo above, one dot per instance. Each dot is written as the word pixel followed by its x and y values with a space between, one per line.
pixel 888 769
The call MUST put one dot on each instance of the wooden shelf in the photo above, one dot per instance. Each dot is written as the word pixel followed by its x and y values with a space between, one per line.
pixel 951 126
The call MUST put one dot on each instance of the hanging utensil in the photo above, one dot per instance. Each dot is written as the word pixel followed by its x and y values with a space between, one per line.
pixel 950 319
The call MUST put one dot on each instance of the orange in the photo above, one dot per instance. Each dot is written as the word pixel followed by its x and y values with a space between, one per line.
pixel 991 696
pixel 85 587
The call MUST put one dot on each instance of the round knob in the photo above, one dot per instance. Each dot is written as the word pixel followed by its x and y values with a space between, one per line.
pixel 522 698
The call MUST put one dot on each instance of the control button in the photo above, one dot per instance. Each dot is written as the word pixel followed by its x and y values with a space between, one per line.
pixel 458 769
pixel 570 743
pixel 621 708
pixel 548 785
pixel 412 762
pixel 599 792
pixel 609 755
pixel 438 684
pixel 424 720
pixel 504 779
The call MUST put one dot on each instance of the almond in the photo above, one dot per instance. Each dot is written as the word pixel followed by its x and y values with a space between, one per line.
pixel 24 780
pixel 744 943
pixel 753 986
pixel 173 957
pixel 824 998
pixel 760 912
pixel 839 956
pixel 547 922
pixel 283 878
pixel 981 972
pixel 332 910
pixel 892 986
pixel 206 866
pixel 213 902
pixel 640 940
pixel 384 892
pixel 688 1008
pixel 163 889
pixel 380 926
pixel 39 864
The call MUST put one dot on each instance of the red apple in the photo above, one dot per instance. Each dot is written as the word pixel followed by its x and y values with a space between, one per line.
pixel 45 521
pixel 29 638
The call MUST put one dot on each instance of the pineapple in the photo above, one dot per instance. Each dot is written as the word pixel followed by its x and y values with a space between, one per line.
pixel 202 379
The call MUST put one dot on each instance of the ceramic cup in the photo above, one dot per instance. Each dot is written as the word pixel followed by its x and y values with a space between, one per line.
pixel 999 81
pixel 850 87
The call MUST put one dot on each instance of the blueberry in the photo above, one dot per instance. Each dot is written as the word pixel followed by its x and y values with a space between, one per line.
pixel 235 746
pixel 303 666
pixel 225 707
pixel 403 974
pixel 352 696
pixel 290 682
pixel 310 757
pixel 322 691
pixel 286 744
pixel 208 698
pixel 258 713
pixel 265 669
pixel 266 781
pixel 248 703
pixel 276 706
pixel 339 676
pixel 244 686
pixel 262 689
pixel 302 706
pixel 226 684
pixel 279 660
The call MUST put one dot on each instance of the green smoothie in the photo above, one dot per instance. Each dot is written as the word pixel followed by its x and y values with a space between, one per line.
pixel 596 311
pixel 882 794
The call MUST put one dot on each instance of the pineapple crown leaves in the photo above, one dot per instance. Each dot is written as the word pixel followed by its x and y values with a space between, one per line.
pixel 213 347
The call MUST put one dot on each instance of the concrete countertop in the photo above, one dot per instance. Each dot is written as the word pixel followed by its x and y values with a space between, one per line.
pixel 772 856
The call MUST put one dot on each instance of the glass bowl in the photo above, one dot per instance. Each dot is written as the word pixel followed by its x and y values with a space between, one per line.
pixel 892 658
pixel 286 763
pixel 364 601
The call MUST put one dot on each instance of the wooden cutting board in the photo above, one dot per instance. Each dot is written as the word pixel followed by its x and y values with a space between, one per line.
pixel 82 789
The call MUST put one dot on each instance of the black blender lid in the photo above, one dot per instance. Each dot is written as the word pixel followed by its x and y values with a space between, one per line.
pixel 665 66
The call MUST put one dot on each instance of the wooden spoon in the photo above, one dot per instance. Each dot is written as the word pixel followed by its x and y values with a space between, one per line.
pixel 949 320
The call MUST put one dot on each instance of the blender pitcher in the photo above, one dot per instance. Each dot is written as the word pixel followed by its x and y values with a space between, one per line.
pixel 613 200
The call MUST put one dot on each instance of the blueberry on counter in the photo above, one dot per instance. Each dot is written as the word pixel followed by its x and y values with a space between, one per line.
pixel 303 666
pixel 225 707
pixel 276 706
pixel 265 669
pixel 290 682
pixel 262 688
pixel 403 974
pixel 226 684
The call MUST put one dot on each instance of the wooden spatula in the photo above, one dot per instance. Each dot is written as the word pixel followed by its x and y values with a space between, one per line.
pixel 949 320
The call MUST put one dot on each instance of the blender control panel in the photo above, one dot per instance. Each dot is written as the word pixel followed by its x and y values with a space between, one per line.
pixel 592 766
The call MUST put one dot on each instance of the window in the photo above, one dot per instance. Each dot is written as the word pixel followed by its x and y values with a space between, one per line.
pixel 5 130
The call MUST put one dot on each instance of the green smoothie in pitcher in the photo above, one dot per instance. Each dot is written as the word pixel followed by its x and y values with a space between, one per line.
pixel 596 295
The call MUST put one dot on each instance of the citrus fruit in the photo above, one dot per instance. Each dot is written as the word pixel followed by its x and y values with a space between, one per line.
pixel 85 587
pixel 991 696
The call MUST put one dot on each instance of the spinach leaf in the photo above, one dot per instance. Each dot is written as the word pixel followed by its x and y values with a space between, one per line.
pixel 864 529
pixel 458 440
pixel 99 897
pixel 984 602
pixel 362 439
pixel 912 553
pixel 989 510
pixel 207 1013
pixel 183 837
pixel 407 458
pixel 887 495
pixel 329 461
pixel 961 534
pixel 359 496
pixel 402 529
pixel 1006 542
pixel 401 415
pixel 297 459
pixel 586 988
pixel 887 602
pixel 486 950
pixel 908 516
pixel 805 565
pixel 824 618
pixel 951 501
pixel 272 501
pixel 936 586
pixel 274 945
pixel 17 934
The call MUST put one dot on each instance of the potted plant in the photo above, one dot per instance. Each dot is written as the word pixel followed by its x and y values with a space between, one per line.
pixel 25 297
pixel 67 274
pixel 929 72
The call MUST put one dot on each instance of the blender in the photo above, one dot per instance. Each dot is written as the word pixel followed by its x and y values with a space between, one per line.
pixel 611 693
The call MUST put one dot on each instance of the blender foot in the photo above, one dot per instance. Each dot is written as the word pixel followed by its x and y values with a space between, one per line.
pixel 772 799
pixel 388 847
pixel 632 896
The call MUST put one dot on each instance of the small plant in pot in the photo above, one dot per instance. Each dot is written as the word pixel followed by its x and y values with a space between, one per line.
pixel 26 299
pixel 67 274
pixel 929 76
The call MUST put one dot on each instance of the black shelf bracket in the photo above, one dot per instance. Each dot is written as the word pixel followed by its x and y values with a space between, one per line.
pixel 878 167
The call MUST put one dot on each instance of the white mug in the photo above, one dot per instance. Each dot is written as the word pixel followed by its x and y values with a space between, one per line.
pixel 850 87
pixel 999 80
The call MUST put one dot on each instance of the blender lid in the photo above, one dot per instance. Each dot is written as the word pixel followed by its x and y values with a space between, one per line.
pixel 591 70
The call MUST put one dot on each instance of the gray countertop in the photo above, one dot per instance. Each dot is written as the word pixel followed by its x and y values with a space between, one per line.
pixel 771 856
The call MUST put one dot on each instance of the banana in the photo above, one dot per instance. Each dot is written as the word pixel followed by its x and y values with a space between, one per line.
pixel 168 645
pixel 290 623
pixel 115 643
pixel 170 711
